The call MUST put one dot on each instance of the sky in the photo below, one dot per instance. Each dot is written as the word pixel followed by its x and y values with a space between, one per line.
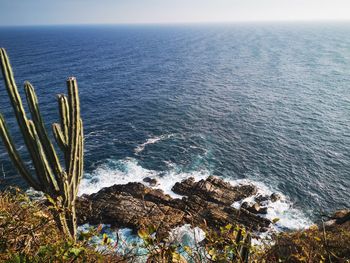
pixel 48 12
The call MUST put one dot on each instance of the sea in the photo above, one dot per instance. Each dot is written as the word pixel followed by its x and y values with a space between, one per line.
pixel 262 103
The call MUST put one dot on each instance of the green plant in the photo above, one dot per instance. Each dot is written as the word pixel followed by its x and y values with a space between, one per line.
pixel 159 249
pixel 60 185
pixel 226 244
pixel 229 244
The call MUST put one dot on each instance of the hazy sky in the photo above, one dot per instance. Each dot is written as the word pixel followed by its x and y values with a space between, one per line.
pixel 29 12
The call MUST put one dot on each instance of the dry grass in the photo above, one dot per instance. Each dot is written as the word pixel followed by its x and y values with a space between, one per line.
pixel 29 234
pixel 311 245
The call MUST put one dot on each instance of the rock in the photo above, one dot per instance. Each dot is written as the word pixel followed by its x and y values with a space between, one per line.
pixel 135 205
pixel 130 206
pixel 147 179
pixel 255 208
pixel 214 190
pixel 263 210
pixel 275 197
pixel 245 205
pixel 150 181
pixel 341 216
pixel 261 199
pixel 329 223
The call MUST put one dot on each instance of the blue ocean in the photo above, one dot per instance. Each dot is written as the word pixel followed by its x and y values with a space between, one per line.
pixel 264 103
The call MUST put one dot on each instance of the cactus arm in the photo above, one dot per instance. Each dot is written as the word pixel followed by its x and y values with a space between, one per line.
pixel 50 179
pixel 15 157
pixel 59 136
pixel 64 115
pixel 80 157
pixel 41 130
pixel 65 124
pixel 74 131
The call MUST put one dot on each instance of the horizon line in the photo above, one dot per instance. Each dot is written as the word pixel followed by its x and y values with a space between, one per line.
pixel 185 23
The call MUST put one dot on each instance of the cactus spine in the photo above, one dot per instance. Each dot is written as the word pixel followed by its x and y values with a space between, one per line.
pixel 60 185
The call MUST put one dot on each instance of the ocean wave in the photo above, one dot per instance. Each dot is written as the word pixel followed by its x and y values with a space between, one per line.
pixel 151 140
pixel 128 170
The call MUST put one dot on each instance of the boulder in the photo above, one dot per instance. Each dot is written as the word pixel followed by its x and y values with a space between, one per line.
pixel 214 190
pixel 256 208
pixel 341 216
pixel 274 197
pixel 262 199
pixel 150 181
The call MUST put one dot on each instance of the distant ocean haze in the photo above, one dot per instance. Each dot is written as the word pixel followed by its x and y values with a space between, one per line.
pixel 269 103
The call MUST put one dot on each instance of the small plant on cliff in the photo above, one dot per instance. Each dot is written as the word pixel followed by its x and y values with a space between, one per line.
pixel 228 244
pixel 159 249
pixel 59 185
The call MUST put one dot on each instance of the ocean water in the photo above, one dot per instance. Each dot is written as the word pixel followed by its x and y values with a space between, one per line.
pixel 264 103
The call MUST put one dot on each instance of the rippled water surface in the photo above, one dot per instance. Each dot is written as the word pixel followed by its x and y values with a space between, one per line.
pixel 269 103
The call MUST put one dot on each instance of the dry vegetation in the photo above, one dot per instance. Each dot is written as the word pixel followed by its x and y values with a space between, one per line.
pixel 312 245
pixel 29 234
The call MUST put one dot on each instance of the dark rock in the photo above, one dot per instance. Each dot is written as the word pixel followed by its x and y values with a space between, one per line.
pixel 129 205
pixel 135 205
pixel 341 216
pixel 275 197
pixel 263 210
pixel 245 205
pixel 147 179
pixel 214 190
pixel 256 208
pixel 150 181
pixel 261 199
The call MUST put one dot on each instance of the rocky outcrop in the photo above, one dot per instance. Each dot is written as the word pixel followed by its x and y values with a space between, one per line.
pixel 214 190
pixel 339 218
pixel 135 205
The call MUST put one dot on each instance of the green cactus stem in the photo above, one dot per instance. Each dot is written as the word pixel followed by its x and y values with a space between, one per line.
pixel 60 185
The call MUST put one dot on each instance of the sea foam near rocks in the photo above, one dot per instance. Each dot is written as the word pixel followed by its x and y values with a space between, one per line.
pixel 129 170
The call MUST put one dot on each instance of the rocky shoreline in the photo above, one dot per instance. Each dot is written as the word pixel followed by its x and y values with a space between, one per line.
pixel 209 202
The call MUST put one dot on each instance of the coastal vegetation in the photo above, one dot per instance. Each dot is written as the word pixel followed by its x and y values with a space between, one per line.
pixel 28 233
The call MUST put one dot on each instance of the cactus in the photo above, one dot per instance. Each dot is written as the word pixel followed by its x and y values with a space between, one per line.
pixel 59 185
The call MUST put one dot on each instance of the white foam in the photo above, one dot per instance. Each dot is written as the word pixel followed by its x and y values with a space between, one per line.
pixel 186 235
pixel 129 170
pixel 151 140
pixel 125 241
pixel 289 218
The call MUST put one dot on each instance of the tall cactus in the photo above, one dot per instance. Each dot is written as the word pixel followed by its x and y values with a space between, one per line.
pixel 60 185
